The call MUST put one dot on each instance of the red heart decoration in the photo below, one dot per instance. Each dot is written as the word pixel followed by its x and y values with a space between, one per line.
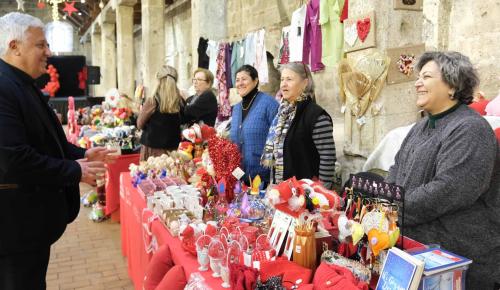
pixel 363 27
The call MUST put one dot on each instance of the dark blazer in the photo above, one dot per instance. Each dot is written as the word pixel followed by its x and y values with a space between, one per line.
pixel 36 161
pixel 203 108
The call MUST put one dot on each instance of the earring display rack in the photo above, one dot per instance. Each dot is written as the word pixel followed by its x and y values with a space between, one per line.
pixel 366 187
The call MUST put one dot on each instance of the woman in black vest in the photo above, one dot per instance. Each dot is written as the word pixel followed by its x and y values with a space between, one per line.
pixel 202 106
pixel 160 117
pixel 300 141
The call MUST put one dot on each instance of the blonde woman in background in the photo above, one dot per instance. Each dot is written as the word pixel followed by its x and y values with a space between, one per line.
pixel 160 116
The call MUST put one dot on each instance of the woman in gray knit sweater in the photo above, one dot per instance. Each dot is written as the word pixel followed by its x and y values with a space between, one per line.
pixel 449 165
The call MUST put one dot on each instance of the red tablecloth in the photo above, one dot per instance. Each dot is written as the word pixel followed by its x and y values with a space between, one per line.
pixel 133 238
pixel 113 180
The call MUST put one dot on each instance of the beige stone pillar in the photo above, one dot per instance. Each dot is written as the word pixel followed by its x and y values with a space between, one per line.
pixel 95 39
pixel 395 106
pixel 125 46
pixel 153 41
pixel 108 42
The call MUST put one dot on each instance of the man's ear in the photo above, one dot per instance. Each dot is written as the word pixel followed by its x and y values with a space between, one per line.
pixel 14 46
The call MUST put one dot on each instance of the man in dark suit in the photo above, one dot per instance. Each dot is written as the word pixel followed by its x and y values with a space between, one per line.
pixel 39 170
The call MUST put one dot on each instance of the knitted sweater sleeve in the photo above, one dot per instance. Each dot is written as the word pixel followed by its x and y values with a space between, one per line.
pixel 464 166
pixel 323 140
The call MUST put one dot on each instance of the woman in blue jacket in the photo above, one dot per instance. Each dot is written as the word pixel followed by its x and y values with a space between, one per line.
pixel 251 119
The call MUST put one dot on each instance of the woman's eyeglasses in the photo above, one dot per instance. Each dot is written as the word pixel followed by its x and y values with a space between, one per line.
pixel 198 80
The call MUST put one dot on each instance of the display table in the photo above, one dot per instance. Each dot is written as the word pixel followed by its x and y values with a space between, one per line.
pixel 134 238
pixel 113 171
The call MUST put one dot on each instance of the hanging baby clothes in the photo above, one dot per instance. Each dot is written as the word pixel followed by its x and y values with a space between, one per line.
pixel 237 58
pixel 213 52
pixel 296 37
pixel 284 55
pixel 224 111
pixel 312 37
pixel 203 58
pixel 332 30
pixel 229 48
pixel 250 47
pixel 261 56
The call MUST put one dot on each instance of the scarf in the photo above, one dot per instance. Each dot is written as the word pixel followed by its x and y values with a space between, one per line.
pixel 273 150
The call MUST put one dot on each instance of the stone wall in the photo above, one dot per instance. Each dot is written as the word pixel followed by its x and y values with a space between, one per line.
pixel 474 30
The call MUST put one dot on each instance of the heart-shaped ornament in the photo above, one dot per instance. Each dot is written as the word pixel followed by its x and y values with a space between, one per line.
pixel 393 237
pixel 378 241
pixel 363 27
pixel 350 34
pixel 357 232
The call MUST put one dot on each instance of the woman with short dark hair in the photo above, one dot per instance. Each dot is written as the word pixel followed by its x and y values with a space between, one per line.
pixel 250 121
pixel 449 166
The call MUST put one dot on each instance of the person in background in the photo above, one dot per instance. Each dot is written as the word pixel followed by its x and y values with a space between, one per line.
pixel 250 122
pixel 300 141
pixel 202 106
pixel 449 166
pixel 40 170
pixel 160 116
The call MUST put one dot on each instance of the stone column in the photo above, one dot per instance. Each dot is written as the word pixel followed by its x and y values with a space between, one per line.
pixel 153 41
pixel 395 106
pixel 108 42
pixel 125 46
pixel 95 38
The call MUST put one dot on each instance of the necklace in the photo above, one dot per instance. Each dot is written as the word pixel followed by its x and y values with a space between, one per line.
pixel 249 104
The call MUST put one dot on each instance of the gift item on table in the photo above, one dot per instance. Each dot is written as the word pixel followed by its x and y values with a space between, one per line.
pixel 201 245
pixel 288 251
pixel 330 276
pixel 123 137
pixel 360 271
pixel 243 277
pixel 221 206
pixel 293 275
pixel 216 253
pixel 263 251
pixel 233 255
pixel 225 157
pixel 304 246
pixel 303 194
pixel 274 283
pixel 197 282
pixel 368 224
pixel 279 228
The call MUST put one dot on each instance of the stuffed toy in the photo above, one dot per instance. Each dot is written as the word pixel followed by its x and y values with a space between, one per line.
pixel 185 149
